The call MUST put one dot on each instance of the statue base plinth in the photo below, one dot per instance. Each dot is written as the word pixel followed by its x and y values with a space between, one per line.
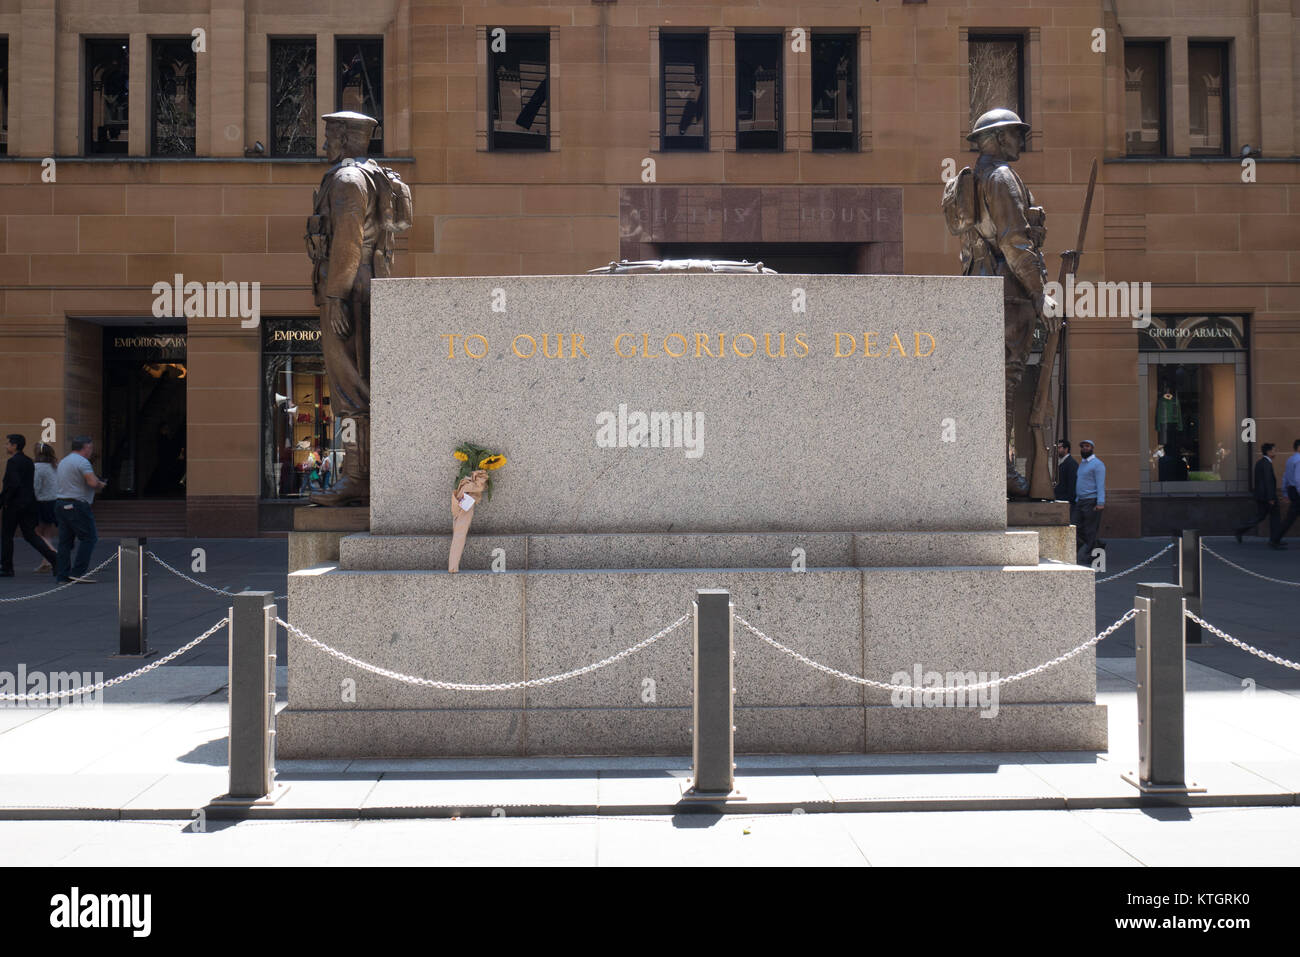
pixel 526 621
pixel 317 531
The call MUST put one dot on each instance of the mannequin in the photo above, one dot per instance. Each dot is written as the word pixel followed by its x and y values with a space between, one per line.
pixel 1169 426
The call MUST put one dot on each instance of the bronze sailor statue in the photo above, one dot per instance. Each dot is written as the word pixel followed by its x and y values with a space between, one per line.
pixel 359 208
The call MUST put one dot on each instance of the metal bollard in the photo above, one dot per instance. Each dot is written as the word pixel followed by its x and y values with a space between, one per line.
pixel 715 739
pixel 1161 685
pixel 1190 578
pixel 132 599
pixel 252 697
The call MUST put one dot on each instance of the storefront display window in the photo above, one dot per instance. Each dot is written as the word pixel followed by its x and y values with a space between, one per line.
pixel 1192 376
pixel 299 454
pixel 144 412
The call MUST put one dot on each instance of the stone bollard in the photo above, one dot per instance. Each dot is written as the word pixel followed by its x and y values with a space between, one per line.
pixel 714 722
pixel 1161 688
pixel 252 697
pixel 132 599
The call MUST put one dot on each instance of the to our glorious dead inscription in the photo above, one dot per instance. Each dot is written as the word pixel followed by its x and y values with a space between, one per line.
pixel 698 345
pixel 871 403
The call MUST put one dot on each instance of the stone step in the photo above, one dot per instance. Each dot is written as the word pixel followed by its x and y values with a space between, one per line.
pixel 775 550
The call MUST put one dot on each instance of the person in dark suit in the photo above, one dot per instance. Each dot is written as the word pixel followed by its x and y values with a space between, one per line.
pixel 1265 500
pixel 1067 470
pixel 18 497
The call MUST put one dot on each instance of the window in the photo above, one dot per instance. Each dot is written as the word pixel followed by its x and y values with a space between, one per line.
pixel 758 92
pixel 834 92
pixel 997 76
pixel 684 66
pixel 1207 74
pixel 1144 99
pixel 172 125
pixel 4 95
pixel 360 70
pixel 108 64
pixel 299 451
pixel 292 88
pixel 1192 379
pixel 519 91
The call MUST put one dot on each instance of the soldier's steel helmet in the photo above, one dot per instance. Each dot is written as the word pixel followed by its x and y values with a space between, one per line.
pixel 353 121
pixel 993 120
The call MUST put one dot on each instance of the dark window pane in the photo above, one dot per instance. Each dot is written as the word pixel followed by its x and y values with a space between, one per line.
pixel 1207 74
pixel 4 95
pixel 172 133
pixel 108 64
pixel 360 68
pixel 997 76
pixel 758 92
pixel 292 77
pixel 1144 99
pixel 518 85
pixel 684 62
pixel 834 92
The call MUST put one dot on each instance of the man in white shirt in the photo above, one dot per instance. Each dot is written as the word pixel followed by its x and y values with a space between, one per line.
pixel 75 493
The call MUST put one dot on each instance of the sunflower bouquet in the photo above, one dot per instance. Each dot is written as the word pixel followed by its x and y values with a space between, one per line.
pixel 474 457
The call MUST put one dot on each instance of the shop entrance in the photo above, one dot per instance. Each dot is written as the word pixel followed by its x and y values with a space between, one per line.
pixel 144 413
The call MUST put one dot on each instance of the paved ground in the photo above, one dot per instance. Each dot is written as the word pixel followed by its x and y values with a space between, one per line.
pixel 159 744
pixel 1100 838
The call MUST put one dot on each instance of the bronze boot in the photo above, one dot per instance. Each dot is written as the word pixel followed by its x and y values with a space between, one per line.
pixel 353 485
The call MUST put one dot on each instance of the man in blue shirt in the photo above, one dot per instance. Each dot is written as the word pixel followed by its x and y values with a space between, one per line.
pixel 76 487
pixel 1291 489
pixel 1089 501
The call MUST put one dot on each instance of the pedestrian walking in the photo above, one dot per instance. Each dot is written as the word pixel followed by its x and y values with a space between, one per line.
pixel 46 482
pixel 77 484
pixel 1265 500
pixel 1089 502
pixel 1067 470
pixel 1291 489
pixel 18 498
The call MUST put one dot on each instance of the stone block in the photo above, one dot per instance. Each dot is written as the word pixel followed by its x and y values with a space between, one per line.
pixel 752 459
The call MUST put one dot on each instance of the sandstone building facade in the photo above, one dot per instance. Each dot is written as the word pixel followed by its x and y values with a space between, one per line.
pixel 176 141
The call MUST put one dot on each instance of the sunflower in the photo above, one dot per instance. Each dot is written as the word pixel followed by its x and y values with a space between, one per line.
pixel 468 453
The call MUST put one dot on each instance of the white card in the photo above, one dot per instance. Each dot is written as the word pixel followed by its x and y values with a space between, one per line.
pixel 466 501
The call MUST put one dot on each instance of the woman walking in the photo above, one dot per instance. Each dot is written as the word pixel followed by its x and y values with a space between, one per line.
pixel 46 482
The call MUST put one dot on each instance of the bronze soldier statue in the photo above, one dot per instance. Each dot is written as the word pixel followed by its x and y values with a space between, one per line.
pixel 1002 234
pixel 359 207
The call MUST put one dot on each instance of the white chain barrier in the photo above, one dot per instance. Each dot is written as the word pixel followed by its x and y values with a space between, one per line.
pixel 194 581
pixel 101 685
pixel 885 686
pixel 41 594
pixel 1276 581
pixel 466 686
pixel 1241 644
pixel 1129 571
